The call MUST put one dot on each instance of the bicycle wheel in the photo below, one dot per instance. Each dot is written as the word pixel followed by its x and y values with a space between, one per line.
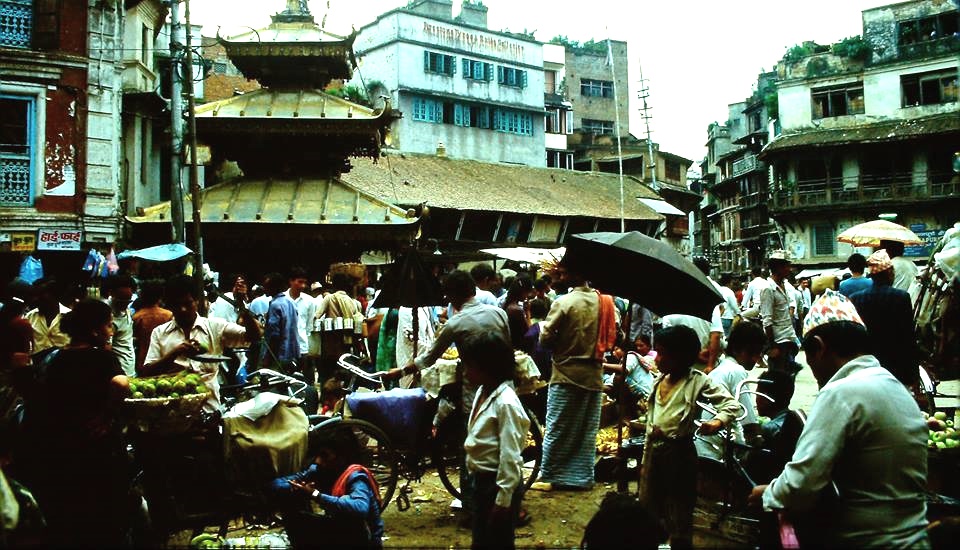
pixel 448 453
pixel 377 453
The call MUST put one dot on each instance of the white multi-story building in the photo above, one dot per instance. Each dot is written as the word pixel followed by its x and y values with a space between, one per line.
pixel 869 127
pixel 478 92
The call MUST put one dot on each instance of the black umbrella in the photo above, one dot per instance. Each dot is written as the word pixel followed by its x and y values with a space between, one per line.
pixel 643 270
pixel 409 284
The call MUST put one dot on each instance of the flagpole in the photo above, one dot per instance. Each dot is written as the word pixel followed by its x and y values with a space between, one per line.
pixel 616 106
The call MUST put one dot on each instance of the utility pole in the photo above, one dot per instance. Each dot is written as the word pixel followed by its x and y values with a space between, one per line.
pixel 643 95
pixel 176 128
pixel 195 195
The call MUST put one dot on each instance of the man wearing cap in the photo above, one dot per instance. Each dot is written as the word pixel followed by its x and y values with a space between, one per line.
pixel 888 314
pixel 775 302
pixel 860 465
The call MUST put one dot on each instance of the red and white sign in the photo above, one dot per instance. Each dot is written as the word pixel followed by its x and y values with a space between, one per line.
pixel 59 239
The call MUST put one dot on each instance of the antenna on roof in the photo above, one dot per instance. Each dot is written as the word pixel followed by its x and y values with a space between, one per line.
pixel 616 106
pixel 642 96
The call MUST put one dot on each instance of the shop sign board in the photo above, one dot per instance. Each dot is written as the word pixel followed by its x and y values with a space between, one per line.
pixel 59 239
pixel 18 242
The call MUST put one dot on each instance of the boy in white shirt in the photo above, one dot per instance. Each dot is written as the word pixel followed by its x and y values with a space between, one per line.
pixel 496 431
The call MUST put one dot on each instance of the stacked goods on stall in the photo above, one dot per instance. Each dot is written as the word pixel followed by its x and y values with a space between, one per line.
pixel 937 307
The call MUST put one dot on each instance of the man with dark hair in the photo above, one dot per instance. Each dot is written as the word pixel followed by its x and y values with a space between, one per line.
pixel 337 306
pixel 45 318
pixel 904 270
pixel 780 433
pixel 888 314
pixel 485 278
pixel 282 348
pixel 223 309
pixel 573 330
pixel 864 435
pixel 120 289
pixel 306 312
pixel 751 296
pixel 856 263
pixel 148 317
pixel 174 344
pixel 775 304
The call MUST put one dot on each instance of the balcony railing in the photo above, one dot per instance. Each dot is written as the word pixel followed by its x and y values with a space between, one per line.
pixel 16 23
pixel 745 164
pixel 892 188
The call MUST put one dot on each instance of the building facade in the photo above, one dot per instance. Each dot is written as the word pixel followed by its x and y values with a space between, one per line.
pixel 739 224
pixel 558 120
pixel 598 85
pixel 869 128
pixel 60 149
pixel 477 92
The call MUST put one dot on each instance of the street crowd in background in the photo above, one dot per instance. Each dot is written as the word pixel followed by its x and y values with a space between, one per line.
pixel 71 357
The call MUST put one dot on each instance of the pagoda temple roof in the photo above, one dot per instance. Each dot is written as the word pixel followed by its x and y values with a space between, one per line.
pixel 289 104
pixel 310 202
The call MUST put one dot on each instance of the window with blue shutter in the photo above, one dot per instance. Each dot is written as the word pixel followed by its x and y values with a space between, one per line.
pixel 466 68
pixel 508 76
pixel 439 63
pixel 461 114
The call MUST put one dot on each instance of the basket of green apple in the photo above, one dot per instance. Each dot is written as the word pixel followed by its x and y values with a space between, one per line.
pixel 942 435
pixel 169 403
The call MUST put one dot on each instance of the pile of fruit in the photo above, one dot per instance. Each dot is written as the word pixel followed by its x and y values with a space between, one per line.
pixel 607 440
pixel 168 386
pixel 942 435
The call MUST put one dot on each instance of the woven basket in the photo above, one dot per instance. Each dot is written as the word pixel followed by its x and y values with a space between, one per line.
pixel 165 414
pixel 357 271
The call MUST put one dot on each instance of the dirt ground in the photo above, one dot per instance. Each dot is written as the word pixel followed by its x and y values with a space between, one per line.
pixel 558 518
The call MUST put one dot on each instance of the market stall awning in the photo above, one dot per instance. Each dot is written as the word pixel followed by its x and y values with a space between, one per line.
pixel 526 254
pixel 314 204
pixel 662 207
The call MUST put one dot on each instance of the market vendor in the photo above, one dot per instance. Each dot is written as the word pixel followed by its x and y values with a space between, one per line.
pixel 175 344
pixel 864 442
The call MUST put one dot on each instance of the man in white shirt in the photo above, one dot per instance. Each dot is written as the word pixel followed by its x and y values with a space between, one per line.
pixel 174 344
pixel 222 309
pixel 730 306
pixel 750 303
pixel 905 271
pixel 306 311
pixel 485 277
pixel 864 442
pixel 45 318
pixel 120 289
pixel 744 350
pixel 776 300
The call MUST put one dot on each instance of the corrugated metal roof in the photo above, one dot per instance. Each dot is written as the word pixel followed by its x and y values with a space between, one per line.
pixel 444 182
pixel 302 201
pixel 892 130
pixel 286 104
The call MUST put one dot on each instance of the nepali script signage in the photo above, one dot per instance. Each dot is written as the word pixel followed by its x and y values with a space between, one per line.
pixel 58 239
pixel 473 41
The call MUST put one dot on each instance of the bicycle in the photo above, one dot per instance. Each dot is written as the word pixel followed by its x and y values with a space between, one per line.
pixel 442 450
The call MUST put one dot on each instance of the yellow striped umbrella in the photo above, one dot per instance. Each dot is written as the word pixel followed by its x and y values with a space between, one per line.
pixel 872 232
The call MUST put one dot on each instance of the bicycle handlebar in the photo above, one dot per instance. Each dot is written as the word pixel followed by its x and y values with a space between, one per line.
pixel 343 363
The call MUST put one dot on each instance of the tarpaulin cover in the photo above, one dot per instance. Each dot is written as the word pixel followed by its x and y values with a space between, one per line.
pixel 159 253
pixel 398 412
pixel 274 445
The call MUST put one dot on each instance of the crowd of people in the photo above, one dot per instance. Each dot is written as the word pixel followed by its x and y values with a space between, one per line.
pixel 72 360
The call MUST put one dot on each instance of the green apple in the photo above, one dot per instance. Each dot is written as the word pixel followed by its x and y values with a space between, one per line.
pixel 940 415
pixel 941 445
pixel 949 424
pixel 937 436
pixel 952 443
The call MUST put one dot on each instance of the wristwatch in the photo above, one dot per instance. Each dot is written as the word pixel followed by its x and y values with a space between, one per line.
pixel 315 493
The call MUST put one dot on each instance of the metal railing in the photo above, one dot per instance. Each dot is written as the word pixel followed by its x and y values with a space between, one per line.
pixel 894 187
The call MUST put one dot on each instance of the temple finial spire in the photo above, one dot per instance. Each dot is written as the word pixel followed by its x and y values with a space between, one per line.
pixel 296 11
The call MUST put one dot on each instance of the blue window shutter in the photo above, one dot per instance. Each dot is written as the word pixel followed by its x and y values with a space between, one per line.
pixel 523 79
pixel 496 119
pixel 426 61
pixel 437 111
pixel 457 114
pixel 488 68
pixel 453 64
pixel 500 74
pixel 466 68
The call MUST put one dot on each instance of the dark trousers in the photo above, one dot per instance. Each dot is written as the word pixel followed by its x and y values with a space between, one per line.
pixel 787 361
pixel 487 531
pixel 671 487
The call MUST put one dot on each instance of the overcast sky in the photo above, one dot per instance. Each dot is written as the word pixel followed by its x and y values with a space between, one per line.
pixel 698 55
